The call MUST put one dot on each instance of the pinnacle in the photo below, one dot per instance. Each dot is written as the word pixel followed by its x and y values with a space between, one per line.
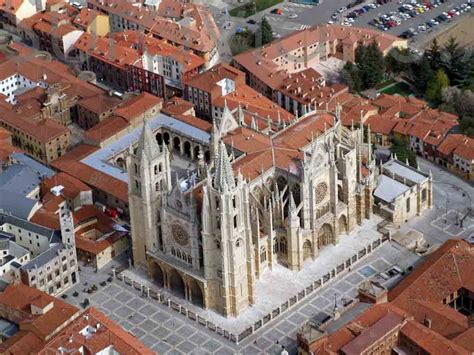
pixel 224 176
pixel 147 144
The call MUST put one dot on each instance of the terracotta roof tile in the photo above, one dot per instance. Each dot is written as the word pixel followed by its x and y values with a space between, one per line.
pixel 108 334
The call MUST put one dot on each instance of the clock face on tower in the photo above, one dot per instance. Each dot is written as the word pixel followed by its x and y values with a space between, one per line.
pixel 179 235
pixel 321 191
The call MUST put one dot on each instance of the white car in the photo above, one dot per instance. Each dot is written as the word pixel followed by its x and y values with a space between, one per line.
pixel 342 9
pixel 292 16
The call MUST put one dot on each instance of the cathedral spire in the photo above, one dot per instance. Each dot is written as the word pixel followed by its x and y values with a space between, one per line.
pixel 224 176
pixel 147 144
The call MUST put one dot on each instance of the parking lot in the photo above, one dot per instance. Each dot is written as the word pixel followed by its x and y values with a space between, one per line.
pixel 412 19
pixel 292 16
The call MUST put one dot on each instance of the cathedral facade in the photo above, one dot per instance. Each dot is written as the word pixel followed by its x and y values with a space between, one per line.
pixel 268 195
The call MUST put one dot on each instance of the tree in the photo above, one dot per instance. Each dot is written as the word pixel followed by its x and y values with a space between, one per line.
pixel 398 60
pixel 466 123
pixel 453 61
pixel 460 102
pixel 434 88
pixel 422 73
pixel 466 81
pixel 368 69
pixel 370 64
pixel 400 148
pixel 434 55
pixel 266 32
pixel 350 75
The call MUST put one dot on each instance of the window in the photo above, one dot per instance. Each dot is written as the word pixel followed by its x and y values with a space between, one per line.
pixel 423 195
pixel 408 204
pixel 263 254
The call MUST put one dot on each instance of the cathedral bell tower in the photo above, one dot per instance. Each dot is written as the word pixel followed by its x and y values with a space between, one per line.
pixel 227 238
pixel 149 174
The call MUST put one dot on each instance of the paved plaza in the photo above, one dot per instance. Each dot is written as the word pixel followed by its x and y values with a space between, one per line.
pixel 168 332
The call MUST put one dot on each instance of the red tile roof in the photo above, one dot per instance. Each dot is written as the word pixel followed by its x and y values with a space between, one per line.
pixel 19 298
pixel 264 62
pixel 70 164
pixel 108 334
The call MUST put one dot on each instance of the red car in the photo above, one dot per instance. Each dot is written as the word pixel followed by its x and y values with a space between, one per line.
pixel 111 212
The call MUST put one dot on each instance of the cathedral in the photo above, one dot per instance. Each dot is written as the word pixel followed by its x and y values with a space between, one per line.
pixel 268 194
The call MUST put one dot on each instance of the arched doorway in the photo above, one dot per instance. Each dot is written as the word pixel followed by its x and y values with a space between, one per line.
pixel 340 195
pixel 343 224
pixel 196 294
pixel 197 149
pixel 157 274
pixel 187 149
pixel 307 250
pixel 325 235
pixel 177 144
pixel 166 138
pixel 207 156
pixel 159 138
pixel 176 283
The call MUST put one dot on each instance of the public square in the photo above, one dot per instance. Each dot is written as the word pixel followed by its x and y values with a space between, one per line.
pixel 169 332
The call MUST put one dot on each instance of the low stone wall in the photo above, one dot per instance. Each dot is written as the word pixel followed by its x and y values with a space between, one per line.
pixel 275 313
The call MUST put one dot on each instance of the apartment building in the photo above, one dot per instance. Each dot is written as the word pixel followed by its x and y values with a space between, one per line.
pixel 196 31
pixel 268 67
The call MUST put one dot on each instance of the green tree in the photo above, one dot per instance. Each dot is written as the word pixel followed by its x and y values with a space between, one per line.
pixel 454 61
pixel 401 149
pixel 435 87
pixel 370 64
pixel 397 60
pixel 266 32
pixel 466 123
pixel 350 75
pixel 422 73
pixel 433 53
